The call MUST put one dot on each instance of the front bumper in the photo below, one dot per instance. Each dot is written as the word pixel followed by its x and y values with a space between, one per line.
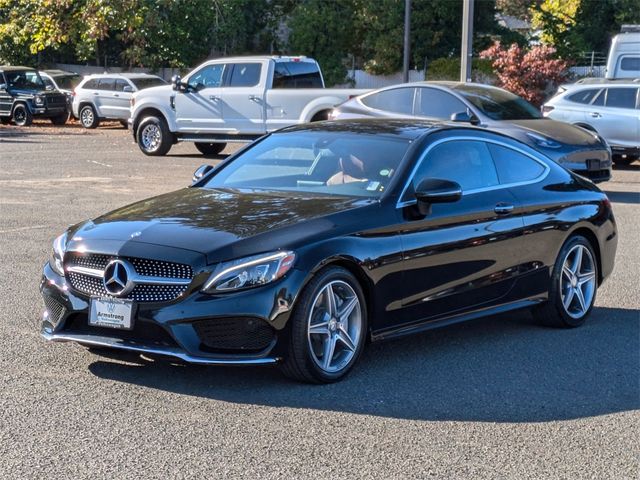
pixel 171 328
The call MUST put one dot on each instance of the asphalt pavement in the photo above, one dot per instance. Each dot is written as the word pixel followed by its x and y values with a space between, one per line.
pixel 496 398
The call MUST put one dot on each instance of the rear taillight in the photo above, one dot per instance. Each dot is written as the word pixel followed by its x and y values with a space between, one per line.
pixel 546 109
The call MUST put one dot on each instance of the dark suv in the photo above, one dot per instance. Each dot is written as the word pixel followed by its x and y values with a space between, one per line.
pixel 23 96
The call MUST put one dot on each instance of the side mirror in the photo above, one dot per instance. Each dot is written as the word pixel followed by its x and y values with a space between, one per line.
pixel 3 86
pixel 200 172
pixel 466 117
pixel 127 89
pixel 48 88
pixel 435 190
pixel 176 82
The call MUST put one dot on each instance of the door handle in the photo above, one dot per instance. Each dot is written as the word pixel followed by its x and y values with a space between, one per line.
pixel 116 95
pixel 214 98
pixel 595 115
pixel 254 98
pixel 96 93
pixel 503 208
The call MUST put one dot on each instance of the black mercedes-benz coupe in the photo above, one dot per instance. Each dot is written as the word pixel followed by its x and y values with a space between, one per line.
pixel 315 239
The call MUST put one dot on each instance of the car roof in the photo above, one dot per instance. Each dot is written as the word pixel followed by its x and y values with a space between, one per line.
pixel 122 75
pixel 277 58
pixel 408 128
pixel 58 73
pixel 592 83
pixel 14 68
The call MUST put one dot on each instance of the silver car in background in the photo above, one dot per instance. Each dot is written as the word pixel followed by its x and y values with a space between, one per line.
pixel 107 96
pixel 611 109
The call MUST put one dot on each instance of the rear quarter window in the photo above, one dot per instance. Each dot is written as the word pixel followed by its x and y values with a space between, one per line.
pixel 513 166
pixel 398 100
pixel 584 96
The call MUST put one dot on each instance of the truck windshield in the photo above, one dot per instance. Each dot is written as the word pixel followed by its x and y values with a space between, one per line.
pixel 24 79
pixel 498 104
pixel 297 75
pixel 327 163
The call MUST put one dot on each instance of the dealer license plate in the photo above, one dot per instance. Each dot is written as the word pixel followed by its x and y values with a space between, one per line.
pixel 111 313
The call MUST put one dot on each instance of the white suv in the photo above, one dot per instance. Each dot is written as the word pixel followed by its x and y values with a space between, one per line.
pixel 612 109
pixel 107 96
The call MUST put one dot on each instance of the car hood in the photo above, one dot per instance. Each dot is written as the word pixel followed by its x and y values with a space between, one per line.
pixel 561 132
pixel 220 224
pixel 154 91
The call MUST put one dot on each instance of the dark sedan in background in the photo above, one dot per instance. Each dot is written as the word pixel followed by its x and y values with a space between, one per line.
pixel 575 148
pixel 312 240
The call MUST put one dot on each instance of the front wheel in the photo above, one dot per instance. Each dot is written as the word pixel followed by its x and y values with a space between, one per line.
pixel 60 119
pixel 22 116
pixel 154 137
pixel 210 148
pixel 328 328
pixel 574 283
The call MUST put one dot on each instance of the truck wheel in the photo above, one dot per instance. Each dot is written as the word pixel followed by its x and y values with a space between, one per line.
pixel 210 148
pixel 22 116
pixel 88 117
pixel 60 119
pixel 154 137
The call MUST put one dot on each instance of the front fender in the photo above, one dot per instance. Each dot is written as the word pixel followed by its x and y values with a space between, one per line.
pixel 145 106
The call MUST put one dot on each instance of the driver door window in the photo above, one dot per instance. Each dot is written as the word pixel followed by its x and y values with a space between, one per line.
pixel 210 76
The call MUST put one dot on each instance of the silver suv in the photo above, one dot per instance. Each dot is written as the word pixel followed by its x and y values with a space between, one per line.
pixel 106 96
pixel 611 109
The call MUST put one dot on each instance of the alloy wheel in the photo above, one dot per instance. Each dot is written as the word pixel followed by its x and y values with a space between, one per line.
pixel 87 117
pixel 19 116
pixel 334 326
pixel 151 137
pixel 578 281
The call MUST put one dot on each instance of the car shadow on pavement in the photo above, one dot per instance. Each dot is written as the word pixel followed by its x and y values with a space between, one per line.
pixel 500 369
pixel 624 197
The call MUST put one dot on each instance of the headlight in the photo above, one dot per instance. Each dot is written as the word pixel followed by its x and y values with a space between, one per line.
pixel 249 272
pixel 59 245
pixel 39 101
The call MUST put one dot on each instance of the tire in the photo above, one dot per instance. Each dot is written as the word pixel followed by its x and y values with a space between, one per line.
pixel 566 307
pixel 88 117
pixel 321 116
pixel 22 116
pixel 60 119
pixel 305 360
pixel 210 148
pixel 153 136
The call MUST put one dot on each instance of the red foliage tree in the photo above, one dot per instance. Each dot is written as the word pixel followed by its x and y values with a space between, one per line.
pixel 527 73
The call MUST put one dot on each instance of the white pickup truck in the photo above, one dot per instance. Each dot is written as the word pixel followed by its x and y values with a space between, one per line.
pixel 232 100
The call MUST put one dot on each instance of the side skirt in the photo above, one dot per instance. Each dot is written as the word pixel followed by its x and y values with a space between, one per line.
pixel 410 329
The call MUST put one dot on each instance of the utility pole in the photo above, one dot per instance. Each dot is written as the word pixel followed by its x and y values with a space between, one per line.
pixel 467 41
pixel 407 41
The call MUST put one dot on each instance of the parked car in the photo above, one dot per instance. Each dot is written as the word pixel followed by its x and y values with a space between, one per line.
pixel 232 100
pixel 309 242
pixel 623 60
pixel 24 96
pixel 612 110
pixel 107 96
pixel 490 107
pixel 60 80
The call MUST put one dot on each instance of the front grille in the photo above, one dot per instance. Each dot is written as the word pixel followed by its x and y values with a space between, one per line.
pixel 55 309
pixel 90 285
pixel 234 334
pixel 56 100
pixel 148 333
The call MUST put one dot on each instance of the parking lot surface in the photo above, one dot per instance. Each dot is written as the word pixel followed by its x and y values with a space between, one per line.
pixel 495 398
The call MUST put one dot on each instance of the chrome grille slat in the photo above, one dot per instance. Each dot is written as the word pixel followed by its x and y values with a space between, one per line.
pixel 157 281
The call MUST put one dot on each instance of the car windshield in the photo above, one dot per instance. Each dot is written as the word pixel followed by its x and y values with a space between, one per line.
pixel 322 162
pixel 142 83
pixel 499 104
pixel 67 82
pixel 24 79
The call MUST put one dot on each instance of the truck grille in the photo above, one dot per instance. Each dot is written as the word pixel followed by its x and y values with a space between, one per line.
pixel 142 292
pixel 56 100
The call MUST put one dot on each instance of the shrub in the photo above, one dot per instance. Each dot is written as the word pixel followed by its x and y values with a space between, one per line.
pixel 529 74
pixel 449 69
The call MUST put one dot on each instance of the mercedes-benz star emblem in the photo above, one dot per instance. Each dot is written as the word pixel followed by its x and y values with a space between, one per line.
pixel 117 278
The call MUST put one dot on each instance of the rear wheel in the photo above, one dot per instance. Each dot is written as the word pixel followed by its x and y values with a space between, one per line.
pixel 210 148
pixel 88 117
pixel 154 137
pixel 22 116
pixel 60 119
pixel 574 283
pixel 328 328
